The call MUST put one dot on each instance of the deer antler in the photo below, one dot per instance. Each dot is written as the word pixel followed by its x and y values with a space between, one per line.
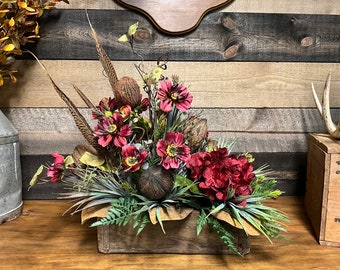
pixel 324 109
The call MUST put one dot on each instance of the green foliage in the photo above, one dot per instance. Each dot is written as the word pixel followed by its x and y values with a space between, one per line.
pixel 201 221
pixel 225 235
pixel 122 211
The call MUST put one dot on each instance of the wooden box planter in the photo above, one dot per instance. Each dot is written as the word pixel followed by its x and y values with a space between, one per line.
pixel 180 238
pixel 322 198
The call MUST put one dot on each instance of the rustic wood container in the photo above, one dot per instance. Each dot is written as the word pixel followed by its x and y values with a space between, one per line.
pixel 322 198
pixel 180 238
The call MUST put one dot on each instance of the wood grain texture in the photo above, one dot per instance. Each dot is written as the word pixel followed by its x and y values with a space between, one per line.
pixel 223 84
pixel 255 130
pixel 251 6
pixel 219 37
pixel 323 189
pixel 180 238
pixel 43 239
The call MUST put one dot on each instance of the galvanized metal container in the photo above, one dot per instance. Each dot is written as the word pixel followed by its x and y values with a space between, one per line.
pixel 10 172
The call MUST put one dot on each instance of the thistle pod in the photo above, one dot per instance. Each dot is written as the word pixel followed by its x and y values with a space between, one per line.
pixel 195 132
pixel 127 92
pixel 155 182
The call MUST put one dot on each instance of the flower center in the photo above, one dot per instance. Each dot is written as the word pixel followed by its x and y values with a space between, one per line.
pixel 131 161
pixel 174 96
pixel 112 128
pixel 171 150
pixel 108 114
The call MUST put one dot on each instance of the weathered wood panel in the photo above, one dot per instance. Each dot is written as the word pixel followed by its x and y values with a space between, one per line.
pixel 251 6
pixel 46 130
pixel 219 37
pixel 223 84
pixel 43 131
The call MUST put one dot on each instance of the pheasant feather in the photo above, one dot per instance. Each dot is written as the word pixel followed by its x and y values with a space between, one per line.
pixel 103 58
pixel 79 119
pixel 84 98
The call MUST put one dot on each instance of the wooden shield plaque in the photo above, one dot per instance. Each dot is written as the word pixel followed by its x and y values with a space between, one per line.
pixel 174 16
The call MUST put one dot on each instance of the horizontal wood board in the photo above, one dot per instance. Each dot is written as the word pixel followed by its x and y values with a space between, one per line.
pixel 46 130
pixel 221 36
pixel 223 84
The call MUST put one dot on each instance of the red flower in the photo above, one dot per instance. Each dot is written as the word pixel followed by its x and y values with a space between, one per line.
pixel 132 158
pixel 219 173
pixel 112 129
pixel 174 94
pixel 125 111
pixel 145 104
pixel 105 108
pixel 172 150
pixel 57 168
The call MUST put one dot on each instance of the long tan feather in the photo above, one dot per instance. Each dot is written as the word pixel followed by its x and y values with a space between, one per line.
pixel 84 98
pixel 79 119
pixel 103 58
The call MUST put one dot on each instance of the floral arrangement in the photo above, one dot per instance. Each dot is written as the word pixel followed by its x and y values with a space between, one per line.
pixel 149 157
pixel 18 26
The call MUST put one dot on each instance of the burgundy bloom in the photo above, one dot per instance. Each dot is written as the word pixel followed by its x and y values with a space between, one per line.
pixel 125 111
pixel 112 129
pixel 145 104
pixel 105 108
pixel 218 173
pixel 132 158
pixel 171 94
pixel 172 150
pixel 57 168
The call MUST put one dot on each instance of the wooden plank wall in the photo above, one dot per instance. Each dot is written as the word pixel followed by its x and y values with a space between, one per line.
pixel 249 66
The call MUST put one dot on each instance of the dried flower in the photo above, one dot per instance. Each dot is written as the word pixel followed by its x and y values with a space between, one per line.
pixel 195 131
pixel 19 25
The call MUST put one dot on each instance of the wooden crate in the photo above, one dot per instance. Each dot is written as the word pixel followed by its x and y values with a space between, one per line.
pixel 180 238
pixel 322 198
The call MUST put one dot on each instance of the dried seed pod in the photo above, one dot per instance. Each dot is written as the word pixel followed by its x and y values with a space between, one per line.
pixel 155 182
pixel 127 92
pixel 80 150
pixel 195 132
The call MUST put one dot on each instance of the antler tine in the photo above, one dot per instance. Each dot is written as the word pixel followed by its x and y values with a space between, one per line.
pixel 316 100
pixel 324 109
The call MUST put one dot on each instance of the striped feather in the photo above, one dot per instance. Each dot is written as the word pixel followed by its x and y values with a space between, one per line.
pixel 84 98
pixel 79 119
pixel 103 58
